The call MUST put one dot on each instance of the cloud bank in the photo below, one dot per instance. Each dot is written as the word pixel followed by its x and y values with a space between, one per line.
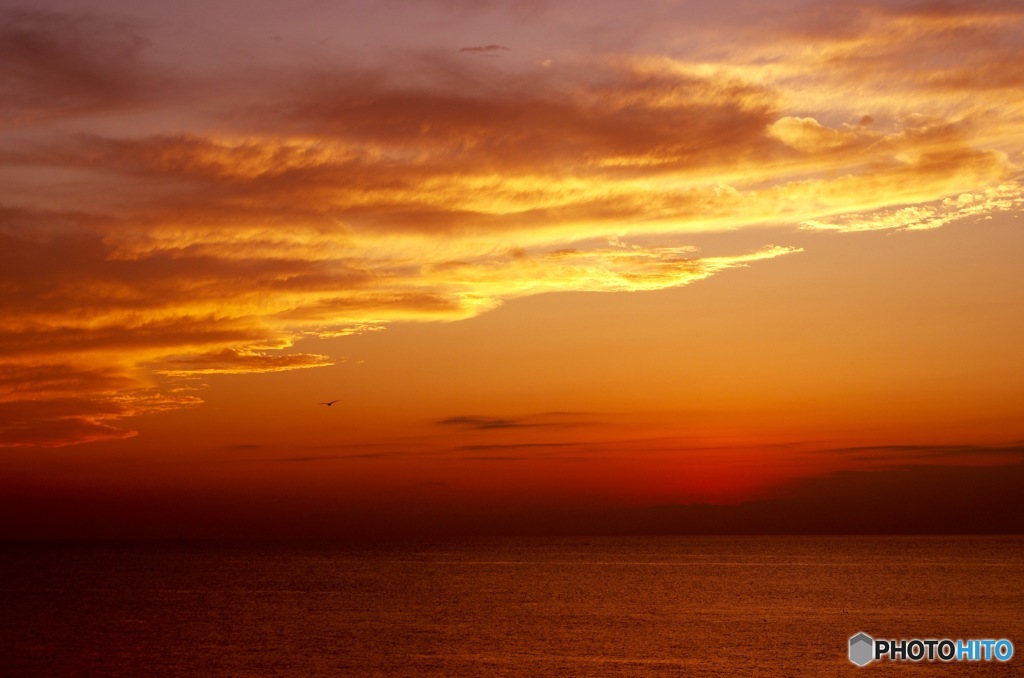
pixel 324 200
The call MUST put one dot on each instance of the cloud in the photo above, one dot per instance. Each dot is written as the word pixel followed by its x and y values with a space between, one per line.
pixel 484 423
pixel 169 314
pixel 911 453
pixel 51 379
pixel 1002 198
pixel 615 111
pixel 69 420
pixel 318 202
pixel 515 446
pixel 897 63
pixel 918 500
pixel 239 361
pixel 59 65
pixel 364 455
pixel 490 50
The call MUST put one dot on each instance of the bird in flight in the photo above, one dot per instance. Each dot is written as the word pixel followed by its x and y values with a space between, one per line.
pixel 328 404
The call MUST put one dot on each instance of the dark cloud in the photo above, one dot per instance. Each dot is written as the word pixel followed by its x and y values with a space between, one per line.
pixel 498 458
pixel 82 270
pixel 67 429
pixel 542 122
pixel 531 458
pixel 517 446
pixel 68 420
pixel 482 423
pixel 365 455
pixel 485 49
pixel 940 500
pixel 167 335
pixel 50 404
pixel 914 500
pixel 20 380
pixel 62 64
pixel 911 452
pixel 390 454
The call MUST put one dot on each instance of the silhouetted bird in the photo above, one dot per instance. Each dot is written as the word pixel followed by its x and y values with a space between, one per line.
pixel 328 404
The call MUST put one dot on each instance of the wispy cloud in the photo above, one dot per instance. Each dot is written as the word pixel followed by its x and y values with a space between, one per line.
pixel 516 446
pixel 482 423
pixel 239 361
pixel 53 421
pixel 485 423
pixel 1004 197
pixel 912 453
pixel 489 50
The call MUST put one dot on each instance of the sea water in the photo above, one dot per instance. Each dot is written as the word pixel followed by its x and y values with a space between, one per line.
pixel 702 606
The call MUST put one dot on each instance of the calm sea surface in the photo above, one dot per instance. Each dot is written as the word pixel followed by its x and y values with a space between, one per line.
pixel 534 607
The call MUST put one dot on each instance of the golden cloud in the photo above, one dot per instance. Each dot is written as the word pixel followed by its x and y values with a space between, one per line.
pixel 332 202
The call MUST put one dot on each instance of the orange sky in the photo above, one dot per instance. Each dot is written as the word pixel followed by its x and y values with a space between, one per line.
pixel 545 255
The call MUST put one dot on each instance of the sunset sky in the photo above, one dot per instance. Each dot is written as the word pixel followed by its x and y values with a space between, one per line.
pixel 545 255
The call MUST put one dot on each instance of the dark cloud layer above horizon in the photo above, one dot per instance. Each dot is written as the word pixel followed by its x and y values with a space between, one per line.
pixel 913 500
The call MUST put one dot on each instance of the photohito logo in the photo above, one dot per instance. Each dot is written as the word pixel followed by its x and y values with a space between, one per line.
pixel 865 649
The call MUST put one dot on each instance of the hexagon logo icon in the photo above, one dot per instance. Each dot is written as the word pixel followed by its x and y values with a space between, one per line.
pixel 862 648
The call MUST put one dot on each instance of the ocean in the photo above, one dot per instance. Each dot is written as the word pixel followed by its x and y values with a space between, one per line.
pixel 629 606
